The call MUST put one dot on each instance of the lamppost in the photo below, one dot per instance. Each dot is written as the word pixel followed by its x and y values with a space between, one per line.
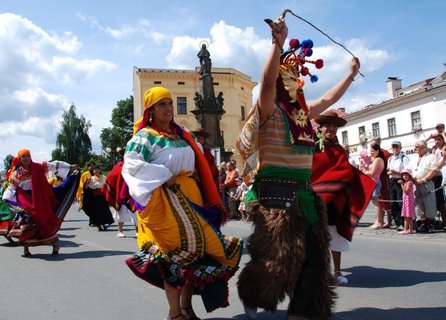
pixel 113 154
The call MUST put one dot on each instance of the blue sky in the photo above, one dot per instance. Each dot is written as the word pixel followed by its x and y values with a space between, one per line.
pixel 55 53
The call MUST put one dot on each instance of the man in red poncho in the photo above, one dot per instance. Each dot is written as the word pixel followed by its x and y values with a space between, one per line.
pixel 201 137
pixel 345 190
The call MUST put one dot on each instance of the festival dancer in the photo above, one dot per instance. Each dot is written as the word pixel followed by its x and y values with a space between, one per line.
pixel 85 195
pixel 289 246
pixel 30 193
pixel 182 249
pixel 345 190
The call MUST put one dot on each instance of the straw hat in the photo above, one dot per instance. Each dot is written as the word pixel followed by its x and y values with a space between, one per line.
pixel 330 117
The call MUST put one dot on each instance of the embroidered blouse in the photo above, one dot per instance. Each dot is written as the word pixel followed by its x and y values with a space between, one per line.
pixel 151 159
pixel 21 178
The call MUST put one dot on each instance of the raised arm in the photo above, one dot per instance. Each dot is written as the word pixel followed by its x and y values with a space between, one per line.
pixel 330 97
pixel 270 72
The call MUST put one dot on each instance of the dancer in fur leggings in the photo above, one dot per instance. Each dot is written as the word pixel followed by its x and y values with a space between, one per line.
pixel 289 246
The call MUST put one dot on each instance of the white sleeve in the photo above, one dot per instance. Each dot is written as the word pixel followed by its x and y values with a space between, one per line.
pixel 10 194
pixel 143 177
pixel 59 168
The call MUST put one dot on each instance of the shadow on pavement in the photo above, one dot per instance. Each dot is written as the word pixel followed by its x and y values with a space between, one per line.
pixel 435 313
pixel 75 220
pixel 68 229
pixel 8 243
pixel 364 224
pixel 278 315
pixel 370 277
pixel 362 314
pixel 77 255
pixel 66 236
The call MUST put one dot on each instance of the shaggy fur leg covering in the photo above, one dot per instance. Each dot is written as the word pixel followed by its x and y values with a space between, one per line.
pixel 313 295
pixel 277 249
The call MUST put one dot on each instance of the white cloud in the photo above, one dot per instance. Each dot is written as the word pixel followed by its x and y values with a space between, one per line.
pixel 367 99
pixel 120 33
pixel 32 63
pixel 142 26
pixel 30 40
pixel 91 20
pixel 229 46
pixel 74 70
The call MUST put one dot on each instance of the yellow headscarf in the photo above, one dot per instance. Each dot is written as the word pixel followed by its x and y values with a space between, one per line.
pixel 151 97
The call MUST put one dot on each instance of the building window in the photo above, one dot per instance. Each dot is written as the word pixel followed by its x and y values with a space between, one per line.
pixel 242 113
pixel 181 105
pixel 345 138
pixel 157 82
pixel 362 136
pixel 391 124
pixel 416 121
pixel 181 83
pixel 375 129
pixel 216 83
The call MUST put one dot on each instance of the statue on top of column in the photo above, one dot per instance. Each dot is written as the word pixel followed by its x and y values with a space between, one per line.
pixel 205 60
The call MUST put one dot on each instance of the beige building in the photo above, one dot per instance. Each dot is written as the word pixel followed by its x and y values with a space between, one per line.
pixel 237 93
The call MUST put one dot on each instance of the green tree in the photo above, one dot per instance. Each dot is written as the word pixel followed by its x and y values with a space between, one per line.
pixel 116 137
pixel 7 161
pixel 73 143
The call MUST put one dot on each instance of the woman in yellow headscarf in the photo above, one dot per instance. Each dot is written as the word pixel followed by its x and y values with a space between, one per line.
pixel 182 249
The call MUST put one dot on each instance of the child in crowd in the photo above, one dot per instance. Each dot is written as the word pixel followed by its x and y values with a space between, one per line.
pixel 364 160
pixel 408 207
pixel 440 131
pixel 241 192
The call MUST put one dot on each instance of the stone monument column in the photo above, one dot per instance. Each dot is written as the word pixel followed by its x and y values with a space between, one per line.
pixel 208 107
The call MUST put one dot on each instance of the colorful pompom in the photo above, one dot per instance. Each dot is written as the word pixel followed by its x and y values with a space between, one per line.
pixel 319 63
pixel 298 58
pixel 294 44
pixel 308 52
pixel 308 43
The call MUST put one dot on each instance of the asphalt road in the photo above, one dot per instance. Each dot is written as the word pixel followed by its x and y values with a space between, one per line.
pixel 391 277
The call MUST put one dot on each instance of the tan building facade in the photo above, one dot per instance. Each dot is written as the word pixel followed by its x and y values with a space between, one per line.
pixel 237 93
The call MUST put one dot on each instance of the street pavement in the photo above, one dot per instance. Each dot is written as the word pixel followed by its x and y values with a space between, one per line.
pixel 391 276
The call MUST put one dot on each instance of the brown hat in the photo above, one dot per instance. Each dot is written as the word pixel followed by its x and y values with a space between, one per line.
pixel 330 116
pixel 201 133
